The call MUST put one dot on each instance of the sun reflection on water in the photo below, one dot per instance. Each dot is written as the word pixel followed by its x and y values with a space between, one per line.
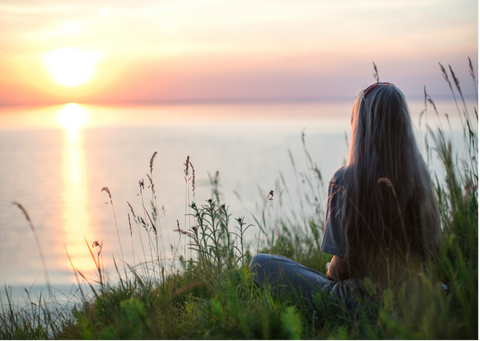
pixel 73 116
pixel 76 216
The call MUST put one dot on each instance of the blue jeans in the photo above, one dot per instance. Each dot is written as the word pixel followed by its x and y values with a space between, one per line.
pixel 285 277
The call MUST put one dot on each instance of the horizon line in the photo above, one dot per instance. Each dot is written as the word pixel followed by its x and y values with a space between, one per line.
pixel 206 101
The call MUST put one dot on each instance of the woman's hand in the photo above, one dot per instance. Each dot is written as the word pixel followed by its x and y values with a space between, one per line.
pixel 337 269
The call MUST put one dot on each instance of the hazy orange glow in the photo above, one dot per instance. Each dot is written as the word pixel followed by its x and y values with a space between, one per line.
pixel 113 51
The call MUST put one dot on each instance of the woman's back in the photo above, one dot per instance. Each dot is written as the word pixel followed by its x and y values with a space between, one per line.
pixel 381 213
pixel 388 211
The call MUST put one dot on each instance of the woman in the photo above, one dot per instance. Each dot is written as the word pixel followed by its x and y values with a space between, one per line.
pixel 382 218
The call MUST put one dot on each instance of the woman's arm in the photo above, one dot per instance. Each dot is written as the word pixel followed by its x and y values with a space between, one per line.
pixel 338 269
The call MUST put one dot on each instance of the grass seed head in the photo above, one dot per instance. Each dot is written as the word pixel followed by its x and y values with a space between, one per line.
pixel 131 209
pixel 187 164
pixel 105 189
pixel 23 210
pixel 151 161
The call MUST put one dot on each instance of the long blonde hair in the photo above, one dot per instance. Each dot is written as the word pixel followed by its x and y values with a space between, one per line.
pixel 389 210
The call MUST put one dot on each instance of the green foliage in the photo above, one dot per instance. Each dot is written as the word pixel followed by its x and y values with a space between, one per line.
pixel 292 323
pixel 128 321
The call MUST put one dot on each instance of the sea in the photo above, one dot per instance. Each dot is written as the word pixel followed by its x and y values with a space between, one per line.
pixel 55 161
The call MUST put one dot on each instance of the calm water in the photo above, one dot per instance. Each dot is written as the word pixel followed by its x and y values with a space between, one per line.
pixel 57 171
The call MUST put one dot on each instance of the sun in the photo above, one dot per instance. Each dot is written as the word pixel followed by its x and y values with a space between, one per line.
pixel 71 67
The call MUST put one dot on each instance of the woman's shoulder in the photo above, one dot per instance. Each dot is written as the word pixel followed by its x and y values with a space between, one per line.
pixel 337 179
pixel 339 174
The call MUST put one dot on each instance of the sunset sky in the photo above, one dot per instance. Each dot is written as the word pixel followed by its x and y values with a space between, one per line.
pixel 145 51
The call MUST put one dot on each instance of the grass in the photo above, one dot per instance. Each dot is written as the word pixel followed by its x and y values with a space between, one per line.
pixel 207 291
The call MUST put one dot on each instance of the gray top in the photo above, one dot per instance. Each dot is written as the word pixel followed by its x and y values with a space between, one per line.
pixel 333 240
